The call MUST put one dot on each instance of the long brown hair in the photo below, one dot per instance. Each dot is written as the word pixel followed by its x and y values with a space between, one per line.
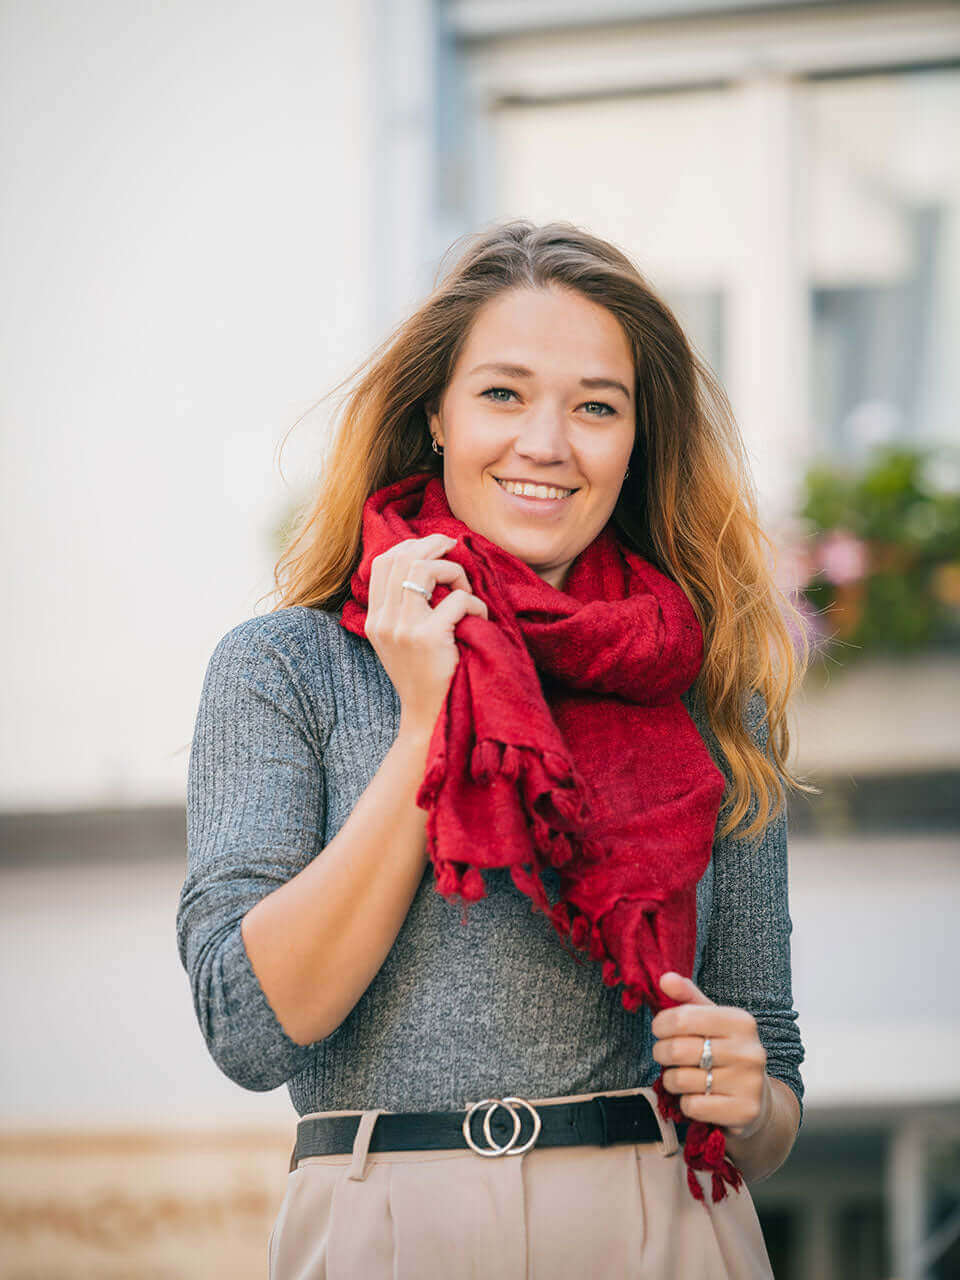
pixel 689 504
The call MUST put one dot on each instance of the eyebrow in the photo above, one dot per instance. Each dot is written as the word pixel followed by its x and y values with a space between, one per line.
pixel 518 371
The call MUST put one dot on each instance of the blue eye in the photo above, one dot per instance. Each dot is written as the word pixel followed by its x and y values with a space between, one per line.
pixel 608 409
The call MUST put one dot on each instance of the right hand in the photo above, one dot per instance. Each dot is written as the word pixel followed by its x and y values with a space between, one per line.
pixel 413 639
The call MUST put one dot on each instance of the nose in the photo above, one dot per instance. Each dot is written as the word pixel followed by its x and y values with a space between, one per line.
pixel 543 437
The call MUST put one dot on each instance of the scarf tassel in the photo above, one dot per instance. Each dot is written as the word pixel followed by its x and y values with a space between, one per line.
pixel 704 1148
pixel 542 773
pixel 490 759
pixel 467 884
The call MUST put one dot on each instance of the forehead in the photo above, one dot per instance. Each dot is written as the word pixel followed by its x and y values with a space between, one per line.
pixel 549 331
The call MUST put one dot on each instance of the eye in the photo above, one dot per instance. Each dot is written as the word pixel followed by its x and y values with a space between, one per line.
pixel 601 404
pixel 506 389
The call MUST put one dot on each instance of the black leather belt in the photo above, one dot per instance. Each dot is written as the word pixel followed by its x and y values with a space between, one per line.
pixel 492 1127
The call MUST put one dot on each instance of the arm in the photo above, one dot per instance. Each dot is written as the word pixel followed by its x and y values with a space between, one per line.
pixel 746 963
pixel 318 941
pixel 267 930
pixel 255 814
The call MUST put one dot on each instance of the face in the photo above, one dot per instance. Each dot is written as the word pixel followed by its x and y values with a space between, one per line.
pixel 562 414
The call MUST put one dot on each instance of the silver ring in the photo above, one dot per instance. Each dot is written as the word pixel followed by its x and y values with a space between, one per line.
pixel 537 1125
pixel 498 1151
pixel 709 1084
pixel 415 586
pixel 508 1147
pixel 706 1057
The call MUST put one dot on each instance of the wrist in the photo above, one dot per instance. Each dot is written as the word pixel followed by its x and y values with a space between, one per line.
pixel 744 1132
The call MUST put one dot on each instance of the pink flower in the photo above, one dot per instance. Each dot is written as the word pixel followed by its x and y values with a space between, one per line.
pixel 843 557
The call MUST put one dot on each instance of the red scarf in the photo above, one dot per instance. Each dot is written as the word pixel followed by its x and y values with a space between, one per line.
pixel 563 742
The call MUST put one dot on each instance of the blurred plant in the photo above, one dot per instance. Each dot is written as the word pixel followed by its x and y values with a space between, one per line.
pixel 877 566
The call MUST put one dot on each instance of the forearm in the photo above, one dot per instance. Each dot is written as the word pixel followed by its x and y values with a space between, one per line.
pixel 316 943
pixel 765 1150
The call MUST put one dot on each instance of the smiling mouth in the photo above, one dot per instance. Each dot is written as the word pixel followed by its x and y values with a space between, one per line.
pixel 537 493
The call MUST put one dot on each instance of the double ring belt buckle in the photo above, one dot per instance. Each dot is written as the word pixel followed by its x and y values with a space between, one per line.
pixel 508 1148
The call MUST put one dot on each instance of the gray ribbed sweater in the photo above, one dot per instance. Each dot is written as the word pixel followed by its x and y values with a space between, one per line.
pixel 295 717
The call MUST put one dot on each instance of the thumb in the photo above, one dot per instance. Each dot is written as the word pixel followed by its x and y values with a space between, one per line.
pixel 685 990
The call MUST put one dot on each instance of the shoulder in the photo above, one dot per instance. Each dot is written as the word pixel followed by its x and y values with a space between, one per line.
pixel 305 650
pixel 296 632
pixel 296 649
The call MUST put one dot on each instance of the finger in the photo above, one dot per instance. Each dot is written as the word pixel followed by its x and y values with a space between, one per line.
pixel 426 573
pixel 704 1020
pixel 718 1109
pixel 429 540
pixel 694 1080
pixel 381 567
pixel 453 607
pixel 686 1051
pixel 732 1105
pixel 681 988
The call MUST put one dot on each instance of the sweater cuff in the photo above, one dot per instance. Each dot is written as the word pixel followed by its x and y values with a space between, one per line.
pixel 247 1041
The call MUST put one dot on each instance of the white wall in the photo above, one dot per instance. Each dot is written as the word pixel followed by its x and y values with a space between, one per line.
pixel 185 248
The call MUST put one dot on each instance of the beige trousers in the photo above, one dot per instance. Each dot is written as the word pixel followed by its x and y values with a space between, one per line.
pixel 622 1211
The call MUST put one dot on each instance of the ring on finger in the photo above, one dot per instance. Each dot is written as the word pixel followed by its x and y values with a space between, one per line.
pixel 407 585
pixel 706 1056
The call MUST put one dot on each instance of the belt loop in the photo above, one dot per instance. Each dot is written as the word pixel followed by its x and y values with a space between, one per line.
pixel 361 1144
pixel 670 1143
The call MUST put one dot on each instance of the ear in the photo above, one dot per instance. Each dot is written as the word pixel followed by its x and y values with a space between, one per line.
pixel 432 416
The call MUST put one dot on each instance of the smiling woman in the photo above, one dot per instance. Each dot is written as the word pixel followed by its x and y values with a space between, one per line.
pixel 524 650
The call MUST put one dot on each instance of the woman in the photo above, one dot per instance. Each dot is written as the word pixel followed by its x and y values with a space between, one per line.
pixel 457 872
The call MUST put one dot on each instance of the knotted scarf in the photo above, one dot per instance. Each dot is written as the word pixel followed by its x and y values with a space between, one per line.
pixel 563 743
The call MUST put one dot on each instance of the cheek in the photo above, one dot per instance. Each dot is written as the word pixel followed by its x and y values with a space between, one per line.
pixel 606 468
pixel 606 479
pixel 474 448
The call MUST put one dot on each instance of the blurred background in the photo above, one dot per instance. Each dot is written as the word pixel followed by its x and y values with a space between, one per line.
pixel 211 213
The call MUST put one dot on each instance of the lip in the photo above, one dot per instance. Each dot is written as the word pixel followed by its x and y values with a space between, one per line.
pixel 543 507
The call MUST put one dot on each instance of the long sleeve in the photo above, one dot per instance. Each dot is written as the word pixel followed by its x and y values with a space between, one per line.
pixel 255 817
pixel 746 960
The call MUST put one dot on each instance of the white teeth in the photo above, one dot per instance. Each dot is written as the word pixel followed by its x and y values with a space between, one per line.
pixel 534 490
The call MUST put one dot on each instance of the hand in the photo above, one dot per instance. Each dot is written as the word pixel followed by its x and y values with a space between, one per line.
pixel 413 638
pixel 740 1098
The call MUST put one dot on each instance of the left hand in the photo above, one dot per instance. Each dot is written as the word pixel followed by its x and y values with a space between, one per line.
pixel 740 1097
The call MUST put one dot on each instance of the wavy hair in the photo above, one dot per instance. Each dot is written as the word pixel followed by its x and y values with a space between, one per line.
pixel 688 506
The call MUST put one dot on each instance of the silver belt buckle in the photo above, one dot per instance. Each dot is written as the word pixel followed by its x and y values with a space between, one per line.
pixel 508 1149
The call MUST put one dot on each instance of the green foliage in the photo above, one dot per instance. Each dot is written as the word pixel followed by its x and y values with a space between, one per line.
pixel 884 553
